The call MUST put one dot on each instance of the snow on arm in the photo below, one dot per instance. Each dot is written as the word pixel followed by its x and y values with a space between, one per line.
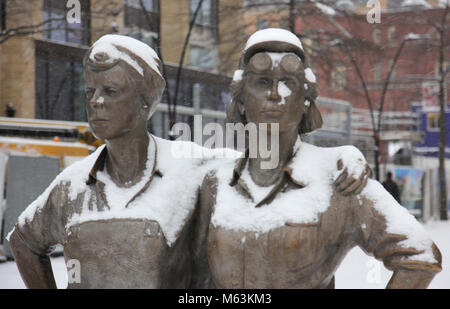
pixel 400 221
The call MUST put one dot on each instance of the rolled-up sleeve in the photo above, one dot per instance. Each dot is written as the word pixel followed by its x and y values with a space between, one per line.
pixel 391 234
pixel 40 227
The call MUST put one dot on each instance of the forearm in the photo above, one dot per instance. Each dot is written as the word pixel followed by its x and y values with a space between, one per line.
pixel 410 279
pixel 36 270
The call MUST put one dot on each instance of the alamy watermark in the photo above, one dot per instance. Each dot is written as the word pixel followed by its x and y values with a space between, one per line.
pixel 374 14
pixel 73 271
pixel 73 15
pixel 261 141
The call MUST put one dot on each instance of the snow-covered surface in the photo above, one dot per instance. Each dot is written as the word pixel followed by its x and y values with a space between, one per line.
pixel 357 271
pixel 423 3
pixel 258 192
pixel 77 174
pixel 237 76
pixel 400 221
pixel 316 168
pixel 412 36
pixel 100 100
pixel 168 200
pixel 273 34
pixel 108 44
pixel 353 160
pixel 283 91
pixel 313 166
pixel 276 58
pixel 310 76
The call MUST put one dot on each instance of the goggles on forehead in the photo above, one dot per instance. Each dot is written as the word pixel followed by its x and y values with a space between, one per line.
pixel 264 61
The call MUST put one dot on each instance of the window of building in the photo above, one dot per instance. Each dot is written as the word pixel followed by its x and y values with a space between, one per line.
pixel 339 77
pixel 59 82
pixel 58 29
pixel 391 33
pixel 377 35
pixel 433 121
pixel 202 57
pixel 377 71
pixel 149 5
pixel 135 16
pixel 262 24
pixel 446 66
pixel 207 16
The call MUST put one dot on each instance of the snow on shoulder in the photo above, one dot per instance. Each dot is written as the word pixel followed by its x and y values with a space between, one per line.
pixel 108 44
pixel 273 34
pixel 313 166
pixel 76 174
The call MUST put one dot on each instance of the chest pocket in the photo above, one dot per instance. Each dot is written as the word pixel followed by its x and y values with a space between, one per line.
pixel 293 246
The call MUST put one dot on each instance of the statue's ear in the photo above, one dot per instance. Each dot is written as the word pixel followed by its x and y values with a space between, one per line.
pixel 235 112
pixel 312 119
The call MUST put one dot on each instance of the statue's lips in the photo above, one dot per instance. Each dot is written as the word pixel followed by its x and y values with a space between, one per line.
pixel 99 121
pixel 273 112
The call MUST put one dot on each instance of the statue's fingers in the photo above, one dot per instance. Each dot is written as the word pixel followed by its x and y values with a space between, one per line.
pixel 341 177
pixel 347 182
pixel 362 186
pixel 354 186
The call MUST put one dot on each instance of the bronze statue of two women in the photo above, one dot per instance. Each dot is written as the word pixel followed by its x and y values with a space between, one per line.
pixel 135 216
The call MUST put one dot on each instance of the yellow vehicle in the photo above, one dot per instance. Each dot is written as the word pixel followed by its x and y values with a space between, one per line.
pixel 67 140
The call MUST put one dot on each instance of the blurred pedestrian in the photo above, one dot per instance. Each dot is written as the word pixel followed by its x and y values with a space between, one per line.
pixel 392 187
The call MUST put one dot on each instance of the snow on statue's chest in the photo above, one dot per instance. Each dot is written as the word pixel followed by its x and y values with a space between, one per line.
pixel 169 200
pixel 311 166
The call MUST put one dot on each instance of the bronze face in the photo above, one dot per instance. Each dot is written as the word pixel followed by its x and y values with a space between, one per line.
pixel 113 105
pixel 274 94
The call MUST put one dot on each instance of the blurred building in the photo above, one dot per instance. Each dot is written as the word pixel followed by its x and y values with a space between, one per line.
pixel 41 74
pixel 374 49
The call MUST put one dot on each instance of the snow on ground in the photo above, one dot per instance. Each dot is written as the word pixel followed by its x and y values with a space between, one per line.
pixel 357 271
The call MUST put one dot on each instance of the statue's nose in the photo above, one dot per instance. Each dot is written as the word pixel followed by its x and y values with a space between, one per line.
pixel 274 95
pixel 96 100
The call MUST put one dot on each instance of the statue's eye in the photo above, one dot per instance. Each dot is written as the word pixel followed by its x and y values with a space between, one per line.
pixel 89 92
pixel 264 82
pixel 111 91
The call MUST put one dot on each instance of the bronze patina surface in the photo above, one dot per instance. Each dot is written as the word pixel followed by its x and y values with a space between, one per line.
pixel 295 255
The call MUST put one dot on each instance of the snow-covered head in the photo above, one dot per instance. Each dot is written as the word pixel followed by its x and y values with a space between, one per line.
pixel 264 51
pixel 141 60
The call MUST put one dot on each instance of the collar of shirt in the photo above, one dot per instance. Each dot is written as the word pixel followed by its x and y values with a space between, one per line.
pixel 99 165
pixel 285 181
